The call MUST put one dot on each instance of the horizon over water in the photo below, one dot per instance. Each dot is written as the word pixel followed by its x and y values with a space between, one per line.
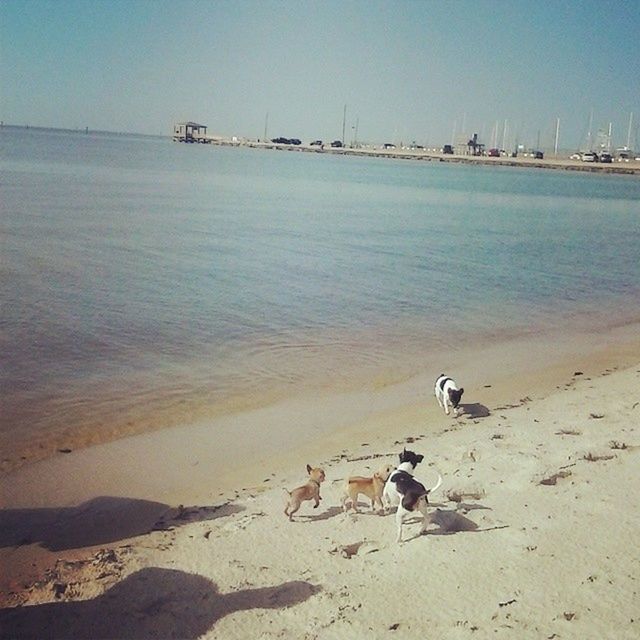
pixel 147 283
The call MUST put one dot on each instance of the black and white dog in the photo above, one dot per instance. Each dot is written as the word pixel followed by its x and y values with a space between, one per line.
pixel 448 394
pixel 403 490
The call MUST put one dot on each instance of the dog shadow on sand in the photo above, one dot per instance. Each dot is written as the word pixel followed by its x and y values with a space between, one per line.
pixel 149 604
pixel 450 522
pixel 327 514
pixel 474 410
pixel 99 521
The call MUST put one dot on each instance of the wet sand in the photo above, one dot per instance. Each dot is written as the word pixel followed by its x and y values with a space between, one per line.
pixel 180 532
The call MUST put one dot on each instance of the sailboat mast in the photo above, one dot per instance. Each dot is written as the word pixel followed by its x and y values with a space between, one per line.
pixel 344 118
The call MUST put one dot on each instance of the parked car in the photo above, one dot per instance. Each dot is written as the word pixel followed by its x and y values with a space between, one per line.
pixel 336 143
pixel 286 141
pixel 493 153
pixel 575 156
pixel 538 155
pixel 589 156
pixel 316 143
pixel 448 149
pixel 606 157
pixel 388 145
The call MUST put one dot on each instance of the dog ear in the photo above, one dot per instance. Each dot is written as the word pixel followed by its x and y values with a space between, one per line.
pixel 309 468
pixel 420 457
pixel 461 391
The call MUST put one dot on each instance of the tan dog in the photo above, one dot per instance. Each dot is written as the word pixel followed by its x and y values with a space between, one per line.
pixel 309 491
pixel 370 487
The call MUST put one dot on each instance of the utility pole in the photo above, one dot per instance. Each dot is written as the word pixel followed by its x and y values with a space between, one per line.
pixel 555 146
pixel 266 122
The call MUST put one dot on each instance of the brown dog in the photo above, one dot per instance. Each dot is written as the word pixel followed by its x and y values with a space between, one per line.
pixel 370 487
pixel 309 491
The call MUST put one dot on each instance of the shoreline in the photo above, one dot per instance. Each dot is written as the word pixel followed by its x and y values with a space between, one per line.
pixel 302 424
pixel 352 393
pixel 539 475
pixel 631 168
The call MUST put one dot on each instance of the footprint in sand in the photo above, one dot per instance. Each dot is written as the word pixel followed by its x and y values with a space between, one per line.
pixel 552 479
pixel 357 548
pixel 243 522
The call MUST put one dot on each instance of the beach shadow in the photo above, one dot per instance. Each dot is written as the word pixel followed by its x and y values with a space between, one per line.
pixel 450 522
pixel 149 604
pixel 466 506
pixel 475 410
pixel 366 511
pixel 99 521
pixel 331 512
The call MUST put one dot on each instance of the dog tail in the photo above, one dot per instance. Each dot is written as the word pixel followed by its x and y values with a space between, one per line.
pixel 436 485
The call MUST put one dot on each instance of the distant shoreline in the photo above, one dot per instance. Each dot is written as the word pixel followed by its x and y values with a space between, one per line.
pixel 626 168
pixel 82 132
pixel 631 168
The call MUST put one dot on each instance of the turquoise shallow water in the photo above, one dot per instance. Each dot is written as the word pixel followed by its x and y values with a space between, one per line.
pixel 147 282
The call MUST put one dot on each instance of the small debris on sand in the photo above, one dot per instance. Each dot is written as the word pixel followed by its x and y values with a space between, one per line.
pixel 553 479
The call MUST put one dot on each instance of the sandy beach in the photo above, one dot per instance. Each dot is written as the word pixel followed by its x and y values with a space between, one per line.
pixel 241 243
pixel 176 534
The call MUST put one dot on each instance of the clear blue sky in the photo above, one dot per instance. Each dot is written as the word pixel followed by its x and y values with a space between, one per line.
pixel 406 70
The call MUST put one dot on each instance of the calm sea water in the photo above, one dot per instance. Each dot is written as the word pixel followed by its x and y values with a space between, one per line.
pixel 146 283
